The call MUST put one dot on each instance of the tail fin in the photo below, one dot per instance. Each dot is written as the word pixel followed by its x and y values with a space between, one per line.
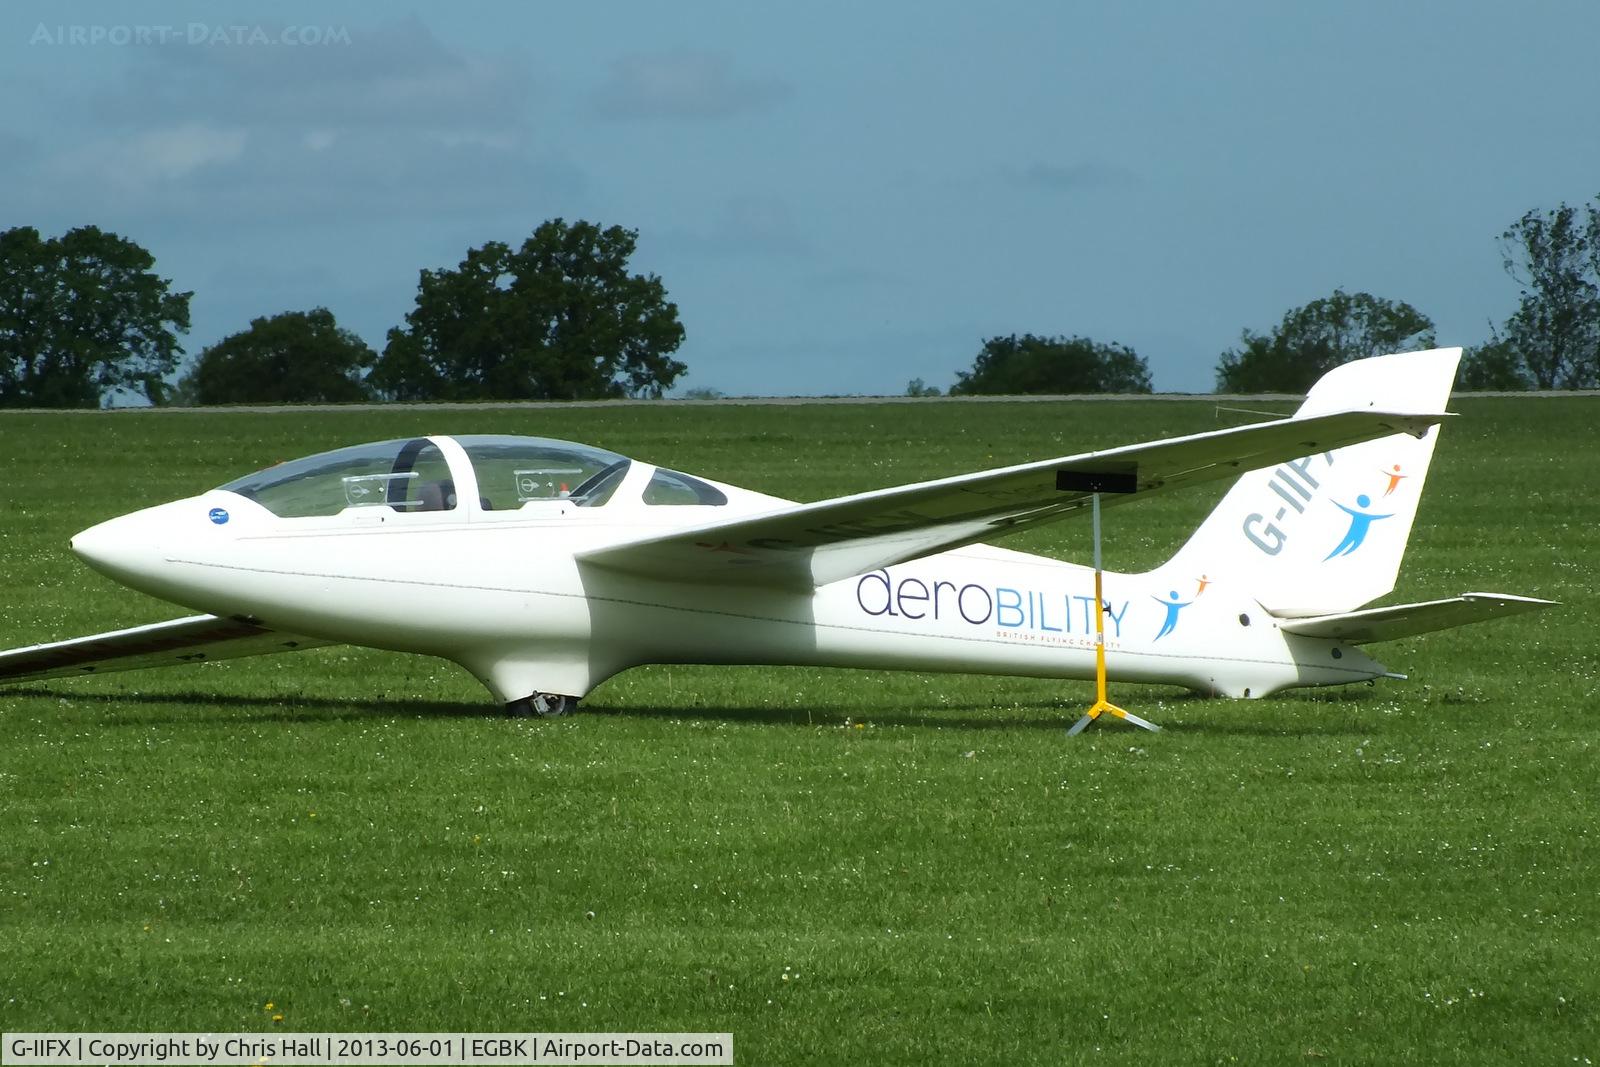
pixel 1326 534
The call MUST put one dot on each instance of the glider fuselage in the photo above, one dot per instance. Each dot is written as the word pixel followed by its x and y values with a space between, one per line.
pixel 504 595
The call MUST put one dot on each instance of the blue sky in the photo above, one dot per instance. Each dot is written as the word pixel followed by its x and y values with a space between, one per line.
pixel 839 197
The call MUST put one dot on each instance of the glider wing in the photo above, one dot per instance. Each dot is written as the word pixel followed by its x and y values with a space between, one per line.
pixel 809 545
pixel 160 644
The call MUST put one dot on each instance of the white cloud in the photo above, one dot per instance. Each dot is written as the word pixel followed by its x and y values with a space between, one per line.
pixel 139 158
pixel 395 124
pixel 743 225
pixel 682 84
pixel 393 74
pixel 180 150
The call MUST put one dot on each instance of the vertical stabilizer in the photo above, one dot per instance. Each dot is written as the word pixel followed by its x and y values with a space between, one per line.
pixel 1326 533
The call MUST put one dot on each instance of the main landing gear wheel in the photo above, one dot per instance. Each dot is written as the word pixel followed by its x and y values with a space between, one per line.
pixel 542 706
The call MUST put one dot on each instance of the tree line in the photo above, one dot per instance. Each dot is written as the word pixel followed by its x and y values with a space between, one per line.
pixel 1551 340
pixel 84 318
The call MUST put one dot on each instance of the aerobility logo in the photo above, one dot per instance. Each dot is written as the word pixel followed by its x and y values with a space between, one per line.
pixel 1174 605
pixel 1361 519
pixel 1039 611
pixel 1360 524
pixel 1297 488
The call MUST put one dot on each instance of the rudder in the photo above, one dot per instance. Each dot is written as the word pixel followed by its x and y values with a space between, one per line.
pixel 1327 533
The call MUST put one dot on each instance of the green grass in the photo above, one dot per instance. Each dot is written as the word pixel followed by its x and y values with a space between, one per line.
pixel 1398 874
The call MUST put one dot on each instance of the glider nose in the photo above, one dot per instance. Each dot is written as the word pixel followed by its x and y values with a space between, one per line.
pixel 130 548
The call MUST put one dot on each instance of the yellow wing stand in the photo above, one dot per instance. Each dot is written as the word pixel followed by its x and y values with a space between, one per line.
pixel 1102 706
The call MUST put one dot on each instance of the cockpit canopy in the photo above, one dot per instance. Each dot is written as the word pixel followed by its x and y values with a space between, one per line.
pixel 414 475
pixel 513 471
pixel 407 475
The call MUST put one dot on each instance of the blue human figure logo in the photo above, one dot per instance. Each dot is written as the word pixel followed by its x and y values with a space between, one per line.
pixel 1173 606
pixel 1360 523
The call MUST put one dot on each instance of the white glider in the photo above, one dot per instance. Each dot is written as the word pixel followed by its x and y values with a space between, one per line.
pixel 545 567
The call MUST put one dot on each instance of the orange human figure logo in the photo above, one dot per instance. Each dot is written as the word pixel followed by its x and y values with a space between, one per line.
pixel 1395 478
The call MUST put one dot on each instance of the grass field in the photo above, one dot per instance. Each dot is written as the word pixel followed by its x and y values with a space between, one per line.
pixel 835 866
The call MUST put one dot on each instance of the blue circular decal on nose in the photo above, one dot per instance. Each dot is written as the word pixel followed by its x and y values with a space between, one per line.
pixel 219 516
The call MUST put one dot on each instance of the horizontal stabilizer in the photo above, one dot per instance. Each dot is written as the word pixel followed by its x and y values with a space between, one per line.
pixel 1408 620
pixel 160 644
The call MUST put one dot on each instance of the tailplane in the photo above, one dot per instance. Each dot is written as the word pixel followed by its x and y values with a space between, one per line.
pixel 1409 620
pixel 1325 534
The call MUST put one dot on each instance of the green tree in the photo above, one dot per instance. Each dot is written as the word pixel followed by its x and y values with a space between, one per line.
pixel 297 357
pixel 82 317
pixel 1493 366
pixel 918 387
pixel 1312 340
pixel 1052 365
pixel 560 318
pixel 1555 331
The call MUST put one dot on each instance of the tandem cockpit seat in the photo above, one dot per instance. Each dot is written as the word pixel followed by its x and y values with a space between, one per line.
pixel 436 496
